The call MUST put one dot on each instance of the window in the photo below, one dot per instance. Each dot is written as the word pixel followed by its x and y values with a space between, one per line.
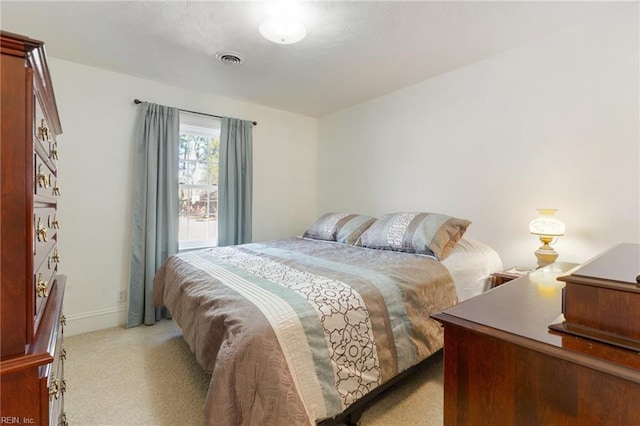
pixel 198 181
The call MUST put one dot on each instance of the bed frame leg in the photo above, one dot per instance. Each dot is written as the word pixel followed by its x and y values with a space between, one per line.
pixel 353 419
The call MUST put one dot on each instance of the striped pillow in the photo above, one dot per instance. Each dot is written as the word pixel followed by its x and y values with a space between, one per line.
pixel 340 227
pixel 423 233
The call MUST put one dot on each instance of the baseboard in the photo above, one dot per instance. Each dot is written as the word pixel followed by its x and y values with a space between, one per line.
pixel 96 320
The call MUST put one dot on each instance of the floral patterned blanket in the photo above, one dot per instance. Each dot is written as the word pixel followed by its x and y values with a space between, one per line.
pixel 294 331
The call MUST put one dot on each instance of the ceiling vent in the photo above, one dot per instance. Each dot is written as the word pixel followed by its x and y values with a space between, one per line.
pixel 229 57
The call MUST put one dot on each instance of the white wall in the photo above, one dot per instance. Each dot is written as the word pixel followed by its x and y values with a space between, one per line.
pixel 553 124
pixel 96 170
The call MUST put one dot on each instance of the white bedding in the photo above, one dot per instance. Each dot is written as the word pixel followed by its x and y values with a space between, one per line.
pixel 471 263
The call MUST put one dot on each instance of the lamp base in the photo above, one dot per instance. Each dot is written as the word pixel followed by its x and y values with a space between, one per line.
pixel 546 255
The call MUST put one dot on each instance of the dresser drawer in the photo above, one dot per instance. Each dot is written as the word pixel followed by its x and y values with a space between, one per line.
pixel 47 252
pixel 46 225
pixel 45 179
pixel 44 135
pixel 56 394
pixel 43 279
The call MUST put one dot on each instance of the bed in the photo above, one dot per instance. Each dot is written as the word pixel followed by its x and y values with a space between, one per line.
pixel 295 331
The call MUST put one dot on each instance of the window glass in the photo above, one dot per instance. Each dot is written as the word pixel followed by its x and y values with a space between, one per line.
pixel 198 181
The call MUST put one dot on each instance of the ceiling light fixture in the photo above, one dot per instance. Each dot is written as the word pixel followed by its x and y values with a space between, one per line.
pixel 283 25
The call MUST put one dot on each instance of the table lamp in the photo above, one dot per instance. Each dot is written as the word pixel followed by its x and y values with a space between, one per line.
pixel 547 227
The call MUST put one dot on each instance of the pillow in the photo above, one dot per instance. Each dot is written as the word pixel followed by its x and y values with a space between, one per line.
pixel 340 227
pixel 422 233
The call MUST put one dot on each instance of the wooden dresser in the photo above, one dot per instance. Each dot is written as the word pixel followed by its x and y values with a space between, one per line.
pixel 503 366
pixel 32 355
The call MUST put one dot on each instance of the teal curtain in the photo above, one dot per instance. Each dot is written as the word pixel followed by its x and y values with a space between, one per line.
pixel 235 182
pixel 154 232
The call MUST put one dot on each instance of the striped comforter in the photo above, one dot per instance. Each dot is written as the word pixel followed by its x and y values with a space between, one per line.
pixel 294 331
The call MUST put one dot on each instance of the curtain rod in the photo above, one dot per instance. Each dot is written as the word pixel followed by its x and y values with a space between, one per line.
pixel 138 101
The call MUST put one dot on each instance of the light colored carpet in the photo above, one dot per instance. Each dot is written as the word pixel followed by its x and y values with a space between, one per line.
pixel 148 376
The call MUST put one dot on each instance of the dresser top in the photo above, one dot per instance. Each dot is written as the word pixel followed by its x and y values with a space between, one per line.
pixel 522 310
pixel 525 306
pixel 621 264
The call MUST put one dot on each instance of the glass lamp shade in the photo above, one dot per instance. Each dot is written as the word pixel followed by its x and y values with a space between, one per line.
pixel 282 31
pixel 547 224
pixel 546 227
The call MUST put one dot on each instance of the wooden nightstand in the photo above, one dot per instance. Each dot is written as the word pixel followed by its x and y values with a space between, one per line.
pixel 502 277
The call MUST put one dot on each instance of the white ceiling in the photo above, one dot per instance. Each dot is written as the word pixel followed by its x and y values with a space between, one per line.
pixel 354 51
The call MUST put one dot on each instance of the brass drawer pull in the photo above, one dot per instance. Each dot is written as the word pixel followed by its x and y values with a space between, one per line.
pixel 54 223
pixel 54 389
pixel 63 386
pixel 53 153
pixel 63 420
pixel 43 131
pixel 63 353
pixel 41 231
pixel 56 256
pixel 43 180
pixel 56 190
pixel 42 287
pixel 63 320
